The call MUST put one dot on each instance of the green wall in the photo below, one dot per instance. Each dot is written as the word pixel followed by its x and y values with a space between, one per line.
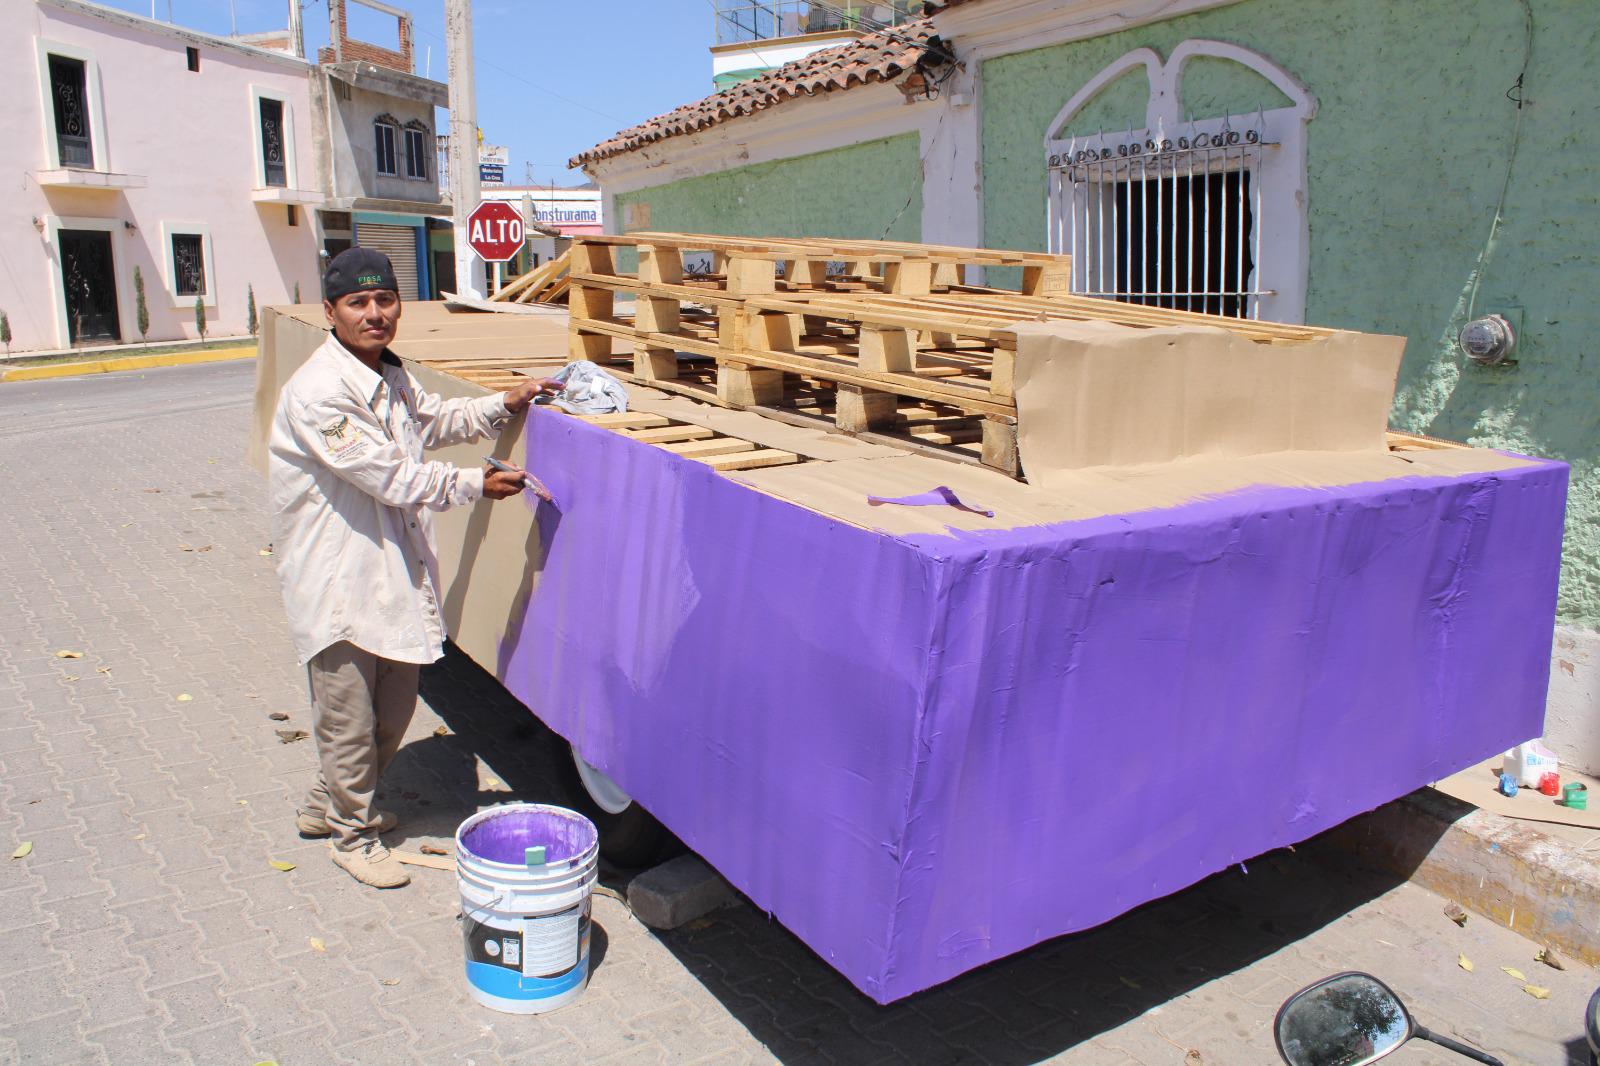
pixel 869 190
pixel 1406 159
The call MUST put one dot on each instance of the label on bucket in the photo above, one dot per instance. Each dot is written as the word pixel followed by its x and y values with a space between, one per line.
pixel 550 942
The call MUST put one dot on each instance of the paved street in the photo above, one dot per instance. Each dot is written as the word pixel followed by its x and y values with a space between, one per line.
pixel 147 926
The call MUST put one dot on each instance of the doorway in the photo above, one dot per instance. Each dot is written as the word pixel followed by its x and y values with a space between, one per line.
pixel 89 283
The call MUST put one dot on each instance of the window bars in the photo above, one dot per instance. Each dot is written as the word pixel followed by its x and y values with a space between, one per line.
pixel 1168 222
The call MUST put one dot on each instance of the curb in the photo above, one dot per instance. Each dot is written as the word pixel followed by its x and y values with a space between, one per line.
pixel 127 362
pixel 1502 868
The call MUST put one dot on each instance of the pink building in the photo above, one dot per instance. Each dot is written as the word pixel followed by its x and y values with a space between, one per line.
pixel 211 166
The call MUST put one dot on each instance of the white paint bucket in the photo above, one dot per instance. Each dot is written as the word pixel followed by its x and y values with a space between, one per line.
pixel 526 871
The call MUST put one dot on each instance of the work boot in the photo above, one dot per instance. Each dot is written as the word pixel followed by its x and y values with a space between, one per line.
pixel 372 864
pixel 315 823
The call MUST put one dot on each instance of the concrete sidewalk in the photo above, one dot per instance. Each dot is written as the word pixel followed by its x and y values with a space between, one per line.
pixel 147 926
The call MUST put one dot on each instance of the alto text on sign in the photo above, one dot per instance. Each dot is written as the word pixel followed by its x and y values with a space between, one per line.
pixel 494 230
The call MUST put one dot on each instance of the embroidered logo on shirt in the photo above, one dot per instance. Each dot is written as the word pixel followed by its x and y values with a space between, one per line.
pixel 341 437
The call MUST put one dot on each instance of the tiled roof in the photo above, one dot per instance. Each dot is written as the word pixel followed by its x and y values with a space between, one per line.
pixel 879 56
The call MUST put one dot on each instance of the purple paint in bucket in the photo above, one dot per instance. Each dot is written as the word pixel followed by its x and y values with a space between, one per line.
pixel 525 926
pixel 506 834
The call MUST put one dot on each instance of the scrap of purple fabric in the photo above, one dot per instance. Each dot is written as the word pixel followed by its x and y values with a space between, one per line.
pixel 934 497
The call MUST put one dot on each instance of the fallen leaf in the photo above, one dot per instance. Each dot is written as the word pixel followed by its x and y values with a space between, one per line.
pixel 141 836
pixel 278 716
pixel 207 548
pixel 1453 911
pixel 391 981
pixel 69 654
pixel 494 784
pixel 1193 1058
pixel 1514 972
pixel 1536 992
pixel 268 1062
pixel 279 864
pixel 244 803
pixel 317 944
pixel 186 547
pixel 429 849
pixel 71 677
pixel 1549 957
pixel 102 669
pixel 1465 963
pixel 289 736
pixel 264 551
pixel 441 732
pixel 184 697
pixel 24 849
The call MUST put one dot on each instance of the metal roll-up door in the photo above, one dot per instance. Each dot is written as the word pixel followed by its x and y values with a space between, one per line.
pixel 399 243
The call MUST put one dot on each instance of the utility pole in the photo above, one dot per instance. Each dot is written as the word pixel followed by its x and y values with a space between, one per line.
pixel 297 33
pixel 464 190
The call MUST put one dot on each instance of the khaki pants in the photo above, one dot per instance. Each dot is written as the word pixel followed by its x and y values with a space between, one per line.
pixel 362 705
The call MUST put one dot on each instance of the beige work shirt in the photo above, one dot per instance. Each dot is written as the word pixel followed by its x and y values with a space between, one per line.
pixel 351 501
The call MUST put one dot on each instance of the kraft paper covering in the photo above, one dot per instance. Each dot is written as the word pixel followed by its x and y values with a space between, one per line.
pixel 1095 394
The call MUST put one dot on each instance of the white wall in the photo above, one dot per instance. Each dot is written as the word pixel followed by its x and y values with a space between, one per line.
pixel 191 136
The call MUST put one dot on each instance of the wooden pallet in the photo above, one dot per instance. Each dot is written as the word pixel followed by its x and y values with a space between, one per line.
pixel 546 283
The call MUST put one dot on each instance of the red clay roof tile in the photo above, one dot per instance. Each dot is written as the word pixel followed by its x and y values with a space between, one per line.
pixel 880 56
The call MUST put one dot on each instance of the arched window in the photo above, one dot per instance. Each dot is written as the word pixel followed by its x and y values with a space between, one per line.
pixel 1195 212
pixel 385 132
pixel 417 140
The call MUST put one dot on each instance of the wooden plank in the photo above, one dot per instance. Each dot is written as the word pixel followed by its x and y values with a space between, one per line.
pixel 672 434
pixel 627 420
pixel 695 449
pixel 750 460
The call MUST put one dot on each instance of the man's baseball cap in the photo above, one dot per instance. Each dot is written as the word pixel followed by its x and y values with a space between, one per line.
pixel 358 270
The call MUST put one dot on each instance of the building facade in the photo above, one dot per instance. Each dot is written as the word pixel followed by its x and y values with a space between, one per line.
pixel 145 154
pixel 202 170
pixel 1395 168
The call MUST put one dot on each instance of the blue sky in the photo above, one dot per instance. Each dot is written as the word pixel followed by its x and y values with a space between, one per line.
pixel 553 79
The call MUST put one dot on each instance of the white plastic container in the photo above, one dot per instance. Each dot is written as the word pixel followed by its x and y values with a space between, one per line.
pixel 1526 763
pixel 525 915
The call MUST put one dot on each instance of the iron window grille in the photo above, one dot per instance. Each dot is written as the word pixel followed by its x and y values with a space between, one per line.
pixel 1163 221
pixel 188 264
pixel 274 155
pixel 383 138
pixel 69 97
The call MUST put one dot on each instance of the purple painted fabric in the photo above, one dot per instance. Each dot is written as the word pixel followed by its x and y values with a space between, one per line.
pixel 883 740
pixel 940 495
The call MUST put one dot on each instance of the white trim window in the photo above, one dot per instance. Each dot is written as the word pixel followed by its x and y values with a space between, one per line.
pixel 1195 215
pixel 385 132
pixel 69 93
pixel 417 150
pixel 188 262
pixel 272 134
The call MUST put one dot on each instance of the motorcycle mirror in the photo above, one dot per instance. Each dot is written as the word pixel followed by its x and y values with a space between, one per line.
pixel 1348 1019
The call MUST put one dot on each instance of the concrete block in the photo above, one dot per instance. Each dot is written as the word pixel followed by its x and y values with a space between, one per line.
pixel 677 892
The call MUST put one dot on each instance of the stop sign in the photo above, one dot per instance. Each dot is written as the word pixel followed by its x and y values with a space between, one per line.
pixel 494 230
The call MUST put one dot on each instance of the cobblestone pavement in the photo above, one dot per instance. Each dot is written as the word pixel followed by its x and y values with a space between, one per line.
pixel 146 926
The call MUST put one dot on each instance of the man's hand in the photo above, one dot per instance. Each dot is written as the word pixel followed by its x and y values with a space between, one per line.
pixel 518 399
pixel 502 484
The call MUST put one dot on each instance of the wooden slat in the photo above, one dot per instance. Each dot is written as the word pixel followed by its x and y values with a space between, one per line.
pixel 627 420
pixel 750 460
pixel 694 449
pixel 669 434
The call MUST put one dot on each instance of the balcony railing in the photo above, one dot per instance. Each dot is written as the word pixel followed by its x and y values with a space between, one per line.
pixel 745 21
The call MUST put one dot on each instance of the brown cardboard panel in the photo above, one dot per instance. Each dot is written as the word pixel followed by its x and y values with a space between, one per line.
pixel 841 489
pixel 1092 394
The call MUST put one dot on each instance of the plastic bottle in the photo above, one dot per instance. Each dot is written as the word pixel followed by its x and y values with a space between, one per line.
pixel 1530 761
